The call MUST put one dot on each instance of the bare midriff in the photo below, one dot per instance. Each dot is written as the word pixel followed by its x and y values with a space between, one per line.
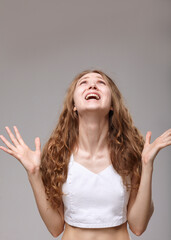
pixel 112 233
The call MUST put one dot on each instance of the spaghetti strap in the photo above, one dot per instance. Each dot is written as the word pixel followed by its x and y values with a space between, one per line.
pixel 71 159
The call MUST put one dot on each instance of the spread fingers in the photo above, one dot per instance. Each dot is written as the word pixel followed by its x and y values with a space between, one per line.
pixel 7 150
pixel 19 138
pixel 8 144
pixel 13 139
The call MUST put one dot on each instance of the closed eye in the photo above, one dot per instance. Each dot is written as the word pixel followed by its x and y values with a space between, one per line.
pixel 102 82
pixel 98 81
pixel 82 82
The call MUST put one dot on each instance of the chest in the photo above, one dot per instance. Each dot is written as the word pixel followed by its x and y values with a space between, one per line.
pixel 94 200
pixel 95 165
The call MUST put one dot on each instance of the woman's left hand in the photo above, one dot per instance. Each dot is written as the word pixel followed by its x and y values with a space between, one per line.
pixel 151 150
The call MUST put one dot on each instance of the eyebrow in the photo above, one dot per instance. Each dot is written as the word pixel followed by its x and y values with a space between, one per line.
pixel 89 77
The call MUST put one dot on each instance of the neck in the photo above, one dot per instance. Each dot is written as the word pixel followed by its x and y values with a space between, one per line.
pixel 93 131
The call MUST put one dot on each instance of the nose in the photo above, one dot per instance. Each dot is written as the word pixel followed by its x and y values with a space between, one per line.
pixel 93 85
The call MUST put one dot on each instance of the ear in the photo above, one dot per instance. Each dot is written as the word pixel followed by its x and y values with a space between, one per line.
pixel 111 108
pixel 74 109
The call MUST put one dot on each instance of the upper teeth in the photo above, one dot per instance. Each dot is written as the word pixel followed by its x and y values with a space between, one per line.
pixel 92 95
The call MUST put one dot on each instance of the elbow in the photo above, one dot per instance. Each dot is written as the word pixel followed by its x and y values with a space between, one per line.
pixel 138 231
pixel 56 232
pixel 139 228
pixel 55 235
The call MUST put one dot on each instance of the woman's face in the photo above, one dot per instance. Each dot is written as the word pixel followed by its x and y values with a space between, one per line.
pixel 92 93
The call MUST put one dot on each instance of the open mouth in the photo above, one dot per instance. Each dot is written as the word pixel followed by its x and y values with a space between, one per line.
pixel 92 96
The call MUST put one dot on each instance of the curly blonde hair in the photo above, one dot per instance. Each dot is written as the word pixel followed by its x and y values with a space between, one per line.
pixel 125 143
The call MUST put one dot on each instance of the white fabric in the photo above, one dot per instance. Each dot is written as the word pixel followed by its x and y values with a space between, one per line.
pixel 94 200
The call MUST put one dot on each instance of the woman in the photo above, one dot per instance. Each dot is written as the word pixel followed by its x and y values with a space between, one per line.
pixel 94 174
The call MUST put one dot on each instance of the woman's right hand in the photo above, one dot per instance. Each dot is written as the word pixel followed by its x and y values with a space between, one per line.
pixel 28 158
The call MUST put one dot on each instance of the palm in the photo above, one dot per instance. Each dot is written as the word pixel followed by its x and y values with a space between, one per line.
pixel 28 158
pixel 151 150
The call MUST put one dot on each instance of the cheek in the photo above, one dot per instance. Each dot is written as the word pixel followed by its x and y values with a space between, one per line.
pixel 109 96
pixel 76 96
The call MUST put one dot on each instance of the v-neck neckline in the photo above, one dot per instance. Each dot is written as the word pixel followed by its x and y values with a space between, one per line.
pixel 79 164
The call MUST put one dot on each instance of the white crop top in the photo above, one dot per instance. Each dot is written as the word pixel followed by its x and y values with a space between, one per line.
pixel 94 200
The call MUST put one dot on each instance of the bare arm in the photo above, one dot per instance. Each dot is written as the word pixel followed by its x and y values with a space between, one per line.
pixel 140 207
pixel 53 219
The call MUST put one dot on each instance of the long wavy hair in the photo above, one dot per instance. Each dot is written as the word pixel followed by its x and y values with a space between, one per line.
pixel 125 143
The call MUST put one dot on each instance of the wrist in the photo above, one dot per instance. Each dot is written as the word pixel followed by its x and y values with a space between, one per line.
pixel 147 167
pixel 34 173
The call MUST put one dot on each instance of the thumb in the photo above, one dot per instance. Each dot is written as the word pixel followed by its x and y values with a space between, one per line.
pixel 37 143
pixel 148 137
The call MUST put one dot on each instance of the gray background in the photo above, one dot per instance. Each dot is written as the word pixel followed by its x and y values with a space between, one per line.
pixel 44 44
